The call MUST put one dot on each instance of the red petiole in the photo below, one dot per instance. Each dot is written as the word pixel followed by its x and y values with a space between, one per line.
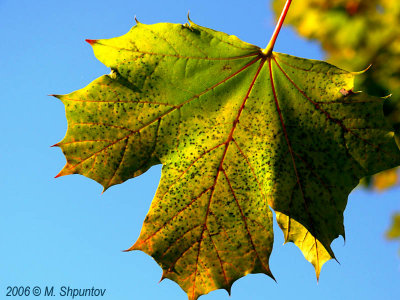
pixel 268 50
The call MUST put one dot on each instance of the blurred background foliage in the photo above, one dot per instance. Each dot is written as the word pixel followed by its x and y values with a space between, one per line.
pixel 394 231
pixel 356 34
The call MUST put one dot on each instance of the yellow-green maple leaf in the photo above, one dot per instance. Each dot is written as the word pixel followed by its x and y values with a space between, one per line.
pixel 238 132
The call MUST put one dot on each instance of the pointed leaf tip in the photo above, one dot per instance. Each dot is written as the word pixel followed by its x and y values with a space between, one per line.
pixel 272 276
pixel 337 260
pixel 362 71
pixel 91 42
pixel 63 172
pixel 162 278
pixel 67 170
pixel 54 95
pixel 130 248
pixel 188 16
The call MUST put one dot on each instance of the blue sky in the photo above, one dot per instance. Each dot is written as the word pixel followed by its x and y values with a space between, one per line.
pixel 64 232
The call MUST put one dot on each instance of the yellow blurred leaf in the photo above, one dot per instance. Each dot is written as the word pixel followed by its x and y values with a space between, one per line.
pixel 386 179
pixel 394 232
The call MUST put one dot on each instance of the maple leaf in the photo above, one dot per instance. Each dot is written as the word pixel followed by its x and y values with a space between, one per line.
pixel 239 130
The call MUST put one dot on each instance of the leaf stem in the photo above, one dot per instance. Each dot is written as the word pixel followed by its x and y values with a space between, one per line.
pixel 268 50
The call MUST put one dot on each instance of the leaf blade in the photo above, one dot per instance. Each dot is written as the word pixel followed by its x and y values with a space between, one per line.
pixel 238 132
